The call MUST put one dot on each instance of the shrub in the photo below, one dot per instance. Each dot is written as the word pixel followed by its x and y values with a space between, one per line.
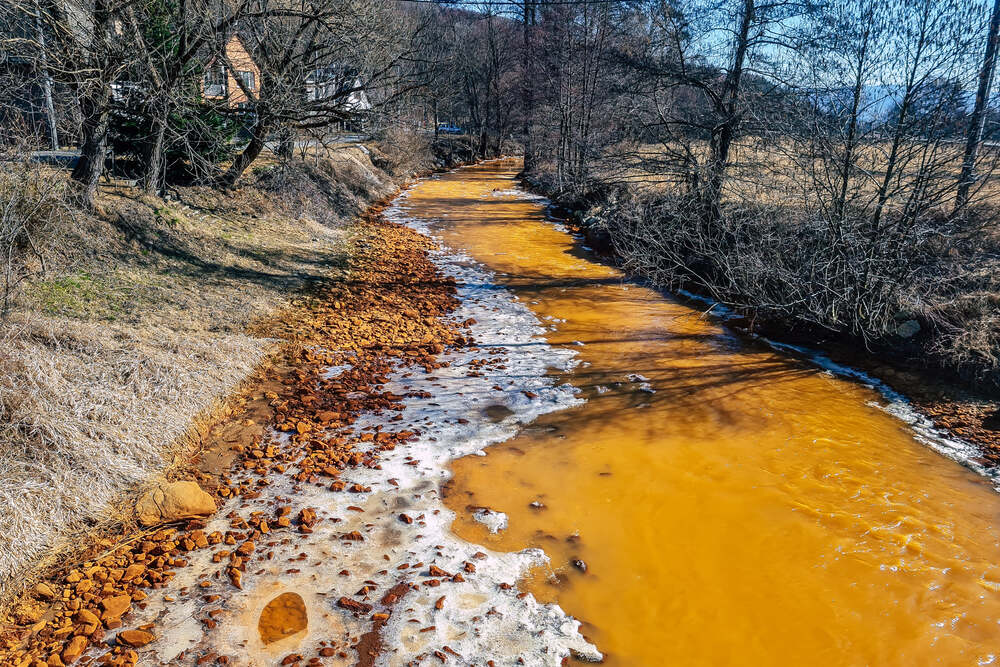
pixel 198 138
pixel 32 198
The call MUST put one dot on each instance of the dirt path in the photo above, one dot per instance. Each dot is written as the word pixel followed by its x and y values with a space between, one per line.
pixel 331 545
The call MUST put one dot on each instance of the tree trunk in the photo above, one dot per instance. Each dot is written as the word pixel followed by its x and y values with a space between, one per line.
pixel 249 154
pixel 527 92
pixel 484 142
pixel 840 204
pixel 978 118
pixel 154 178
pixel 286 144
pixel 94 94
pixel 46 78
pixel 90 166
pixel 723 134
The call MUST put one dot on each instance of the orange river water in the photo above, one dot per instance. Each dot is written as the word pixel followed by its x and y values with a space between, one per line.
pixel 754 510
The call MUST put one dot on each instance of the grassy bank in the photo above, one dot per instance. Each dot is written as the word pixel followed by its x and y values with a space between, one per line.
pixel 126 326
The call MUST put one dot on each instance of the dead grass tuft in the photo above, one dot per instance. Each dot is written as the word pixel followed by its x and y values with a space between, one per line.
pixel 87 412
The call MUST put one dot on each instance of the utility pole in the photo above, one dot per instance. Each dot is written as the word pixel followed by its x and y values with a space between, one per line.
pixel 527 92
pixel 43 59
pixel 978 118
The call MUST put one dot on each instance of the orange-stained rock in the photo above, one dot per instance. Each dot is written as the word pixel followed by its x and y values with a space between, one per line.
pixel 115 606
pixel 44 591
pixel 135 638
pixel 283 617
pixel 86 617
pixel 171 501
pixel 74 649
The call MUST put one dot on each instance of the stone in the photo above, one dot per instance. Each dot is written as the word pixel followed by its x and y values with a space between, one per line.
pixel 44 591
pixel 115 606
pixel 135 638
pixel 74 649
pixel 86 617
pixel 283 617
pixel 172 501
pixel 353 605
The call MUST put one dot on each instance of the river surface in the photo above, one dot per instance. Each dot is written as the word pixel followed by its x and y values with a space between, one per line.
pixel 730 505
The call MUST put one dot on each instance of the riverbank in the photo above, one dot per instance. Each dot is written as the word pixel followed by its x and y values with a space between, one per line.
pixel 330 451
pixel 967 409
pixel 134 323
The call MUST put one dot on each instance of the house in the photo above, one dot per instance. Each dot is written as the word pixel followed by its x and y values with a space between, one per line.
pixel 338 84
pixel 220 83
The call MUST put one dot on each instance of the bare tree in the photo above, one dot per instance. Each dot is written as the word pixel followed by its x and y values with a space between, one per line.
pixel 345 47
pixel 978 118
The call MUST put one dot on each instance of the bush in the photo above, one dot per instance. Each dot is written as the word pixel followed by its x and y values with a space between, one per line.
pixel 32 198
pixel 401 151
pixel 198 138
pixel 780 264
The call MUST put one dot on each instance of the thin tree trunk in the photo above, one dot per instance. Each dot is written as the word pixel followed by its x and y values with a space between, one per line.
pixel 527 92
pixel 249 154
pixel 852 129
pixel 978 118
pixel 898 135
pixel 286 144
pixel 50 109
pixel 723 134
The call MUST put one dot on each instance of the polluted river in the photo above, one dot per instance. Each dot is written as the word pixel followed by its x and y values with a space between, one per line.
pixel 604 473
pixel 729 505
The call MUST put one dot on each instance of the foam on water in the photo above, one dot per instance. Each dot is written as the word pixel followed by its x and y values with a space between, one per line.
pixel 896 404
pixel 485 617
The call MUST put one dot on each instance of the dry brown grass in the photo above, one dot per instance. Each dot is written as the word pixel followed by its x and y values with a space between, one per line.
pixel 765 171
pixel 138 326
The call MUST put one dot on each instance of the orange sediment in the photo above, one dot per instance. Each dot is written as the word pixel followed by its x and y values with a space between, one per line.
pixel 282 617
pixel 387 314
pixel 753 510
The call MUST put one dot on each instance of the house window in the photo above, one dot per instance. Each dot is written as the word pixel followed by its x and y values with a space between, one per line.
pixel 215 81
pixel 248 80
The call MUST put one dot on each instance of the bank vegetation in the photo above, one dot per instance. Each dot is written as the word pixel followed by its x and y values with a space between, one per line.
pixel 825 167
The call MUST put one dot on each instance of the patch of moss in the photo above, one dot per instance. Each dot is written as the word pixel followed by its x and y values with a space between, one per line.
pixel 84 296
pixel 169 216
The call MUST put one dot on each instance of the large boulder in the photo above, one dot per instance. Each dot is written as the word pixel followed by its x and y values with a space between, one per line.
pixel 171 501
